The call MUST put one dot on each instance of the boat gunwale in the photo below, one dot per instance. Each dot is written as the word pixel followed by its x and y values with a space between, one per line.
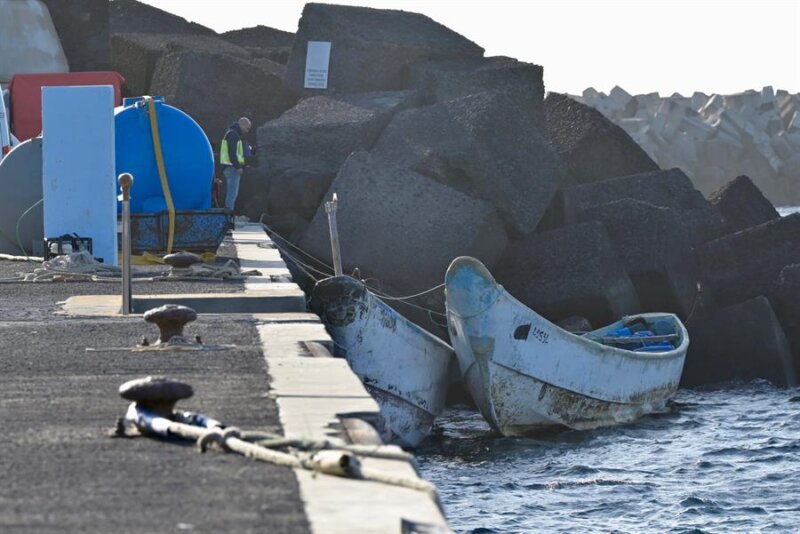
pixel 569 336
pixel 370 295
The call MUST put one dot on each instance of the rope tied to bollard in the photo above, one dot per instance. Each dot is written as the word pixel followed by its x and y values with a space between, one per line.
pixel 152 413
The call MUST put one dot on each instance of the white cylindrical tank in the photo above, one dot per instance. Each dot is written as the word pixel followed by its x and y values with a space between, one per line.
pixel 29 42
pixel 21 220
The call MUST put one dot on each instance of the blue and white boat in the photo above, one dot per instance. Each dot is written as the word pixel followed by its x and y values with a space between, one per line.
pixel 404 368
pixel 526 373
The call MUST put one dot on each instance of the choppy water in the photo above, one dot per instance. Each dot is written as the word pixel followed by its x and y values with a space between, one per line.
pixel 720 461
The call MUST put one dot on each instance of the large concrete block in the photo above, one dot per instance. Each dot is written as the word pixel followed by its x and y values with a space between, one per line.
pixel 746 264
pixel 259 37
pixel 216 89
pixel 592 147
pixel 372 49
pixel 655 249
pixel 440 81
pixel 483 145
pixel 132 16
pixel 263 41
pixel 83 28
pixel 743 341
pixel 785 297
pixel 667 189
pixel 403 228
pixel 135 55
pixel 743 205
pixel 569 271
pixel 305 147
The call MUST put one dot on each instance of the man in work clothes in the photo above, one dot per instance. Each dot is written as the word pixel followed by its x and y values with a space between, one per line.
pixel 233 152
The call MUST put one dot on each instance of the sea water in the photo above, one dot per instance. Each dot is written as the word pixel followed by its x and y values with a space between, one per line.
pixel 721 460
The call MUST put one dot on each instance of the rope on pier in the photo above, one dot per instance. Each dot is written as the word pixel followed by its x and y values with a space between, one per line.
pixel 305 268
pixel 80 266
pixel 319 456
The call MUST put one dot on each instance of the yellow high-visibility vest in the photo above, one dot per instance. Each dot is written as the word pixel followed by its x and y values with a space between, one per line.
pixel 224 152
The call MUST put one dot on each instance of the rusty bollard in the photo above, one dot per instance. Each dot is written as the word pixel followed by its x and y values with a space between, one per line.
pixel 157 395
pixel 170 319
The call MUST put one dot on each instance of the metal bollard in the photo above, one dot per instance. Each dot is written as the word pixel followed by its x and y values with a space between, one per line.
pixel 330 209
pixel 125 183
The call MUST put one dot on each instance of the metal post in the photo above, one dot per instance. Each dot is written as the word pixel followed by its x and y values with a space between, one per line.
pixel 125 183
pixel 330 209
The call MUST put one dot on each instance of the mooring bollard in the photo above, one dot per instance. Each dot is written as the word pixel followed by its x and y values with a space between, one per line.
pixel 170 319
pixel 125 183
pixel 158 395
pixel 330 209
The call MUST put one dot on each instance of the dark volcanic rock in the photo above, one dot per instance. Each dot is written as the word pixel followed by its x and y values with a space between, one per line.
pixel 668 189
pixel 746 264
pixel 372 49
pixel 592 147
pixel 403 228
pixel 83 28
pixel 483 145
pixel 569 271
pixel 305 147
pixel 440 81
pixel 135 55
pixel 130 16
pixel 216 89
pixel 786 300
pixel 740 342
pixel 743 205
pixel 655 250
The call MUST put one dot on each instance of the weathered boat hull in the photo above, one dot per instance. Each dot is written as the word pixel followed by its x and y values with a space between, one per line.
pixel 403 367
pixel 525 373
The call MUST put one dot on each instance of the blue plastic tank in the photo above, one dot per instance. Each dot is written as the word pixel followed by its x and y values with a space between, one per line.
pixel 188 158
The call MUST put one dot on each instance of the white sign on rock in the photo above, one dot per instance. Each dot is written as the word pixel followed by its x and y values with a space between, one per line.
pixel 318 56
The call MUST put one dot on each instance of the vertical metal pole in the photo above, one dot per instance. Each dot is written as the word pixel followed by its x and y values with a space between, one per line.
pixel 125 183
pixel 330 209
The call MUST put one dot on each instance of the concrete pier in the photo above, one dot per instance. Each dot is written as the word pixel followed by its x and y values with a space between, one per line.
pixel 61 472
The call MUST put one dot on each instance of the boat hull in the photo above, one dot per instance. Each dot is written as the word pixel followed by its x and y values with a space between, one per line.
pixel 403 367
pixel 526 374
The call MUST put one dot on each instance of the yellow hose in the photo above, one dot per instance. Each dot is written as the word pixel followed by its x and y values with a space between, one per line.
pixel 162 172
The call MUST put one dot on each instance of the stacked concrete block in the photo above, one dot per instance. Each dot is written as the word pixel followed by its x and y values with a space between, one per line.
pixel 591 147
pixel 743 205
pixel 714 138
pixel 484 145
pixel 262 41
pixel 739 342
pixel 135 55
pixel 215 89
pixel 372 49
pixel 667 189
pixel 441 81
pixel 305 148
pixel 132 16
pixel 401 227
pixel 83 28
pixel 786 300
pixel 746 264
pixel 656 251
pixel 569 271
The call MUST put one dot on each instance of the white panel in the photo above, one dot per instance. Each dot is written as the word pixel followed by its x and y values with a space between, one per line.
pixel 78 166
pixel 318 57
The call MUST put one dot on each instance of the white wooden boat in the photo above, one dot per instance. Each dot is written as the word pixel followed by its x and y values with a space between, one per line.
pixel 403 367
pixel 525 373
